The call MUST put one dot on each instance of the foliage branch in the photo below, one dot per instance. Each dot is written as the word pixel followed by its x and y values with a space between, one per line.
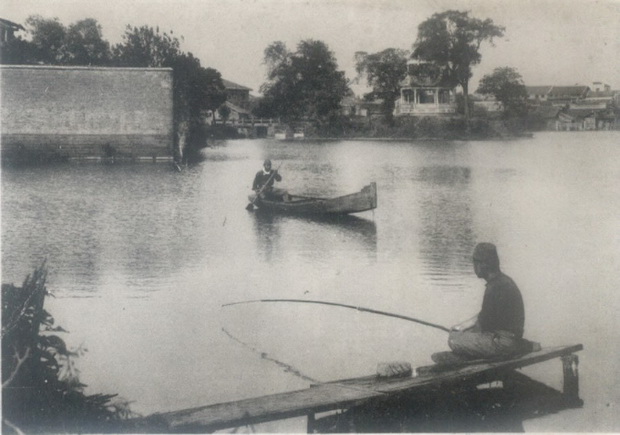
pixel 304 85
pixel 41 390
pixel 384 72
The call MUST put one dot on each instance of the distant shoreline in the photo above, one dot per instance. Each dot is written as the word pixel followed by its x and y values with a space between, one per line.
pixel 410 139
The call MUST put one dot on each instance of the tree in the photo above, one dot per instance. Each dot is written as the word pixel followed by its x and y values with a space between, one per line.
pixel 196 89
pixel 384 72
pixel 52 43
pixel 452 40
pixel 84 44
pixel 304 85
pixel 506 85
pixel 276 56
pixel 224 112
pixel 48 39
pixel 146 47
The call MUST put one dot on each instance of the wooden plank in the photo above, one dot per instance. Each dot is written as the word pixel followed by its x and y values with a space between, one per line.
pixel 392 385
pixel 273 407
pixel 335 395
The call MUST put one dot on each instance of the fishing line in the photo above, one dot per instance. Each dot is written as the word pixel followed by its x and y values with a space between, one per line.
pixel 287 367
pixel 293 370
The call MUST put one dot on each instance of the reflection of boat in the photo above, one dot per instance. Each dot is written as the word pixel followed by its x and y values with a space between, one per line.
pixel 355 231
pixel 366 199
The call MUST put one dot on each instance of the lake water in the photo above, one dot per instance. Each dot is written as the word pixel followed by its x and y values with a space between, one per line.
pixel 141 258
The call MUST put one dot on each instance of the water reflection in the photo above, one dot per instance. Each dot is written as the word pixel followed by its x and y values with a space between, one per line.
pixel 267 232
pixel 99 224
pixel 315 235
pixel 362 230
pixel 446 230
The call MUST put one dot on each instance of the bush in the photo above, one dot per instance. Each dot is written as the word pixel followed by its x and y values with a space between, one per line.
pixel 41 391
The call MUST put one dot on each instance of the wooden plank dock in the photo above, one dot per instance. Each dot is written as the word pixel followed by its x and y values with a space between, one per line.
pixel 344 394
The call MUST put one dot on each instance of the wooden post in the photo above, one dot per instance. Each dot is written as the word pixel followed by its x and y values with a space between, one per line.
pixel 570 365
pixel 310 426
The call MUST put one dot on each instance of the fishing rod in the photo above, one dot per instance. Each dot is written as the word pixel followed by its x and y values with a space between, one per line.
pixel 366 310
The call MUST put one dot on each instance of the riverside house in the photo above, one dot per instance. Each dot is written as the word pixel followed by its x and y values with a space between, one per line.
pixel 425 92
pixel 237 94
pixel 238 102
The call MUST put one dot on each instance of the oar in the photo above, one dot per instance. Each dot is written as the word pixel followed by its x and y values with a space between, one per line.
pixel 366 310
pixel 250 206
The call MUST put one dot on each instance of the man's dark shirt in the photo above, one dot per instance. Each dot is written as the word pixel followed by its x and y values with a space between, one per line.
pixel 502 307
pixel 261 178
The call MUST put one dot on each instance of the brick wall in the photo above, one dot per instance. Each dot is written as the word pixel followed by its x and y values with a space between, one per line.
pixel 87 112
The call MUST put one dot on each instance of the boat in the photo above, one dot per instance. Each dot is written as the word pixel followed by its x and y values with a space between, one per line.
pixel 365 199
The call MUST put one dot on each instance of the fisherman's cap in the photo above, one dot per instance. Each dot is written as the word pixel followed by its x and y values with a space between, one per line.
pixel 267 162
pixel 486 253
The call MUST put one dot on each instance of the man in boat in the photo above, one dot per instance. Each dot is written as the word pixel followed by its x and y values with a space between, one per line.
pixel 497 330
pixel 264 180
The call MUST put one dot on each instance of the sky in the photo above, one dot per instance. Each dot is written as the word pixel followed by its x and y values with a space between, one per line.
pixel 549 42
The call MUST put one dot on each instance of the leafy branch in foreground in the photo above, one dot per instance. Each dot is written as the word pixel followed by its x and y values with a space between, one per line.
pixel 41 390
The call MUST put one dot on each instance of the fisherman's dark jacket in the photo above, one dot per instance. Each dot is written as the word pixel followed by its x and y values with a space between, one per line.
pixel 502 307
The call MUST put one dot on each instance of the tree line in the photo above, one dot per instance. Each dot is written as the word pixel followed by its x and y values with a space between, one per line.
pixel 304 85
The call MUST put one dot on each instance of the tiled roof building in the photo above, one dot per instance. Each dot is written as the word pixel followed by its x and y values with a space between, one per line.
pixel 538 92
pixel 7 30
pixel 237 94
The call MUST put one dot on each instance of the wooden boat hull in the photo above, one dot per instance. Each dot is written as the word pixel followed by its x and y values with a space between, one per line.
pixel 365 199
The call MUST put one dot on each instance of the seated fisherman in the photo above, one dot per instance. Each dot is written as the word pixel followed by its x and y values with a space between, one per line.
pixel 264 180
pixel 497 330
